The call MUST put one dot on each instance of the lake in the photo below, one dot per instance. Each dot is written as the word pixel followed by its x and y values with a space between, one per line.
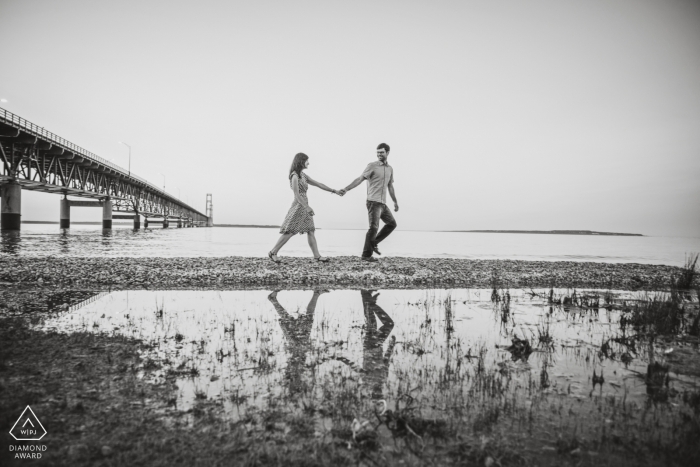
pixel 90 240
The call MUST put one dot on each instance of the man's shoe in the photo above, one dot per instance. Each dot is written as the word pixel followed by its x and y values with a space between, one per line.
pixel 375 248
pixel 370 259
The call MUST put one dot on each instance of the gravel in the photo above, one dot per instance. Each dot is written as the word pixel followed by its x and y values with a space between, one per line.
pixel 238 272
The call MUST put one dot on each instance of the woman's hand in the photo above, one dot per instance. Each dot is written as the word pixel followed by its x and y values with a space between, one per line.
pixel 309 210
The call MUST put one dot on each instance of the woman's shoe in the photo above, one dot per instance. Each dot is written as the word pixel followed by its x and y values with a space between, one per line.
pixel 273 258
pixel 322 259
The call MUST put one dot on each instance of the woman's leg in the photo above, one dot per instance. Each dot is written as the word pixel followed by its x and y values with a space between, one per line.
pixel 280 243
pixel 312 243
pixel 280 309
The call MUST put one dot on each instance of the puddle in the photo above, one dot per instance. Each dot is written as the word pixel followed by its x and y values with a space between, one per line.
pixel 242 349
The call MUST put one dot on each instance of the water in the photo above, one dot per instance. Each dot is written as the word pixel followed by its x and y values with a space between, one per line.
pixel 241 348
pixel 89 240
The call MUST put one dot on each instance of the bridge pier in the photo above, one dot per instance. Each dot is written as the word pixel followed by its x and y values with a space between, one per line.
pixel 107 214
pixel 65 213
pixel 165 223
pixel 137 222
pixel 145 222
pixel 10 206
pixel 179 223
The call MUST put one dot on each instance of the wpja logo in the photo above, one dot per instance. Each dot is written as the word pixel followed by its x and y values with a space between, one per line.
pixel 28 428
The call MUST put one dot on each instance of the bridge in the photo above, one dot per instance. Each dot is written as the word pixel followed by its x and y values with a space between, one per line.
pixel 35 159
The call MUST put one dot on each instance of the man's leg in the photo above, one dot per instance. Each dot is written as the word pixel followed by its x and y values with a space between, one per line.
pixel 375 364
pixel 389 224
pixel 370 320
pixel 374 212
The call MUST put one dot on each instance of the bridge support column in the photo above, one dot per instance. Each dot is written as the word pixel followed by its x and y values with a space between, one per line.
pixel 137 222
pixel 179 223
pixel 165 223
pixel 145 222
pixel 64 223
pixel 107 214
pixel 10 206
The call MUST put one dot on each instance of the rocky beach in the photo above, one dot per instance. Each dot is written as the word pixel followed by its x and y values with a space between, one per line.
pixel 345 271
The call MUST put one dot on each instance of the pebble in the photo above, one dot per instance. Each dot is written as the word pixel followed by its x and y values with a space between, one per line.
pixel 75 451
pixel 343 271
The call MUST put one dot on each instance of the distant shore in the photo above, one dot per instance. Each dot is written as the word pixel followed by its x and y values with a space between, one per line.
pixel 340 272
pixel 256 226
pixel 551 232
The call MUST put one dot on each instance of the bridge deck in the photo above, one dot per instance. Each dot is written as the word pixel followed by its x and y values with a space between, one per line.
pixel 39 160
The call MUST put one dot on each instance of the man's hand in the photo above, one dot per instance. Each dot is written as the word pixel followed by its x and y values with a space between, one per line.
pixel 342 192
pixel 396 206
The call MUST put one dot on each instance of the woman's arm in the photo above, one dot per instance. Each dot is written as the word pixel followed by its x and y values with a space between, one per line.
pixel 318 184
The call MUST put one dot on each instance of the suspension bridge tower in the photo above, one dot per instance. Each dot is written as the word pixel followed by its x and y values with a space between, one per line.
pixel 210 211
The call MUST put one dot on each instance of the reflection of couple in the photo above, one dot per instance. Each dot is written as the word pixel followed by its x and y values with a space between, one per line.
pixel 297 332
pixel 299 220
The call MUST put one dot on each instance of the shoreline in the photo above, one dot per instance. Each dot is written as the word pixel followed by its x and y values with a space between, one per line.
pixel 340 272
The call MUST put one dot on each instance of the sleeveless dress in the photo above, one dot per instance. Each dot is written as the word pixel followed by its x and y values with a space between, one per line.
pixel 298 221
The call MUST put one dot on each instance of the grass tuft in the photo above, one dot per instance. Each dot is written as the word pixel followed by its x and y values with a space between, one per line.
pixel 684 281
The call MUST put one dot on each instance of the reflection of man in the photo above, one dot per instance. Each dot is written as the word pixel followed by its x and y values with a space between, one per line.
pixel 298 336
pixel 375 364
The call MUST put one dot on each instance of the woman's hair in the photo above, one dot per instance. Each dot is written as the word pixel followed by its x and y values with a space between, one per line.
pixel 298 164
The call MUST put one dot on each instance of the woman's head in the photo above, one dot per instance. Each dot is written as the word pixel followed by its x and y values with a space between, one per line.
pixel 299 163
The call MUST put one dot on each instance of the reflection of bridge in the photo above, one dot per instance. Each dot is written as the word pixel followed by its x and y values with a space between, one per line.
pixel 35 159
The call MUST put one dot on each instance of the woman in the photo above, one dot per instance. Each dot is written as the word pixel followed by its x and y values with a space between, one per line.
pixel 299 219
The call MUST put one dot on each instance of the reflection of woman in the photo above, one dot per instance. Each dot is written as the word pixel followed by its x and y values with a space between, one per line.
pixel 298 336
pixel 299 219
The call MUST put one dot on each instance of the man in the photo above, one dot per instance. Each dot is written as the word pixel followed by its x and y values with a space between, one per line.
pixel 379 176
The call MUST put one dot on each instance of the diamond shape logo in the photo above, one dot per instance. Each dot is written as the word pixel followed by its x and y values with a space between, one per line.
pixel 28 427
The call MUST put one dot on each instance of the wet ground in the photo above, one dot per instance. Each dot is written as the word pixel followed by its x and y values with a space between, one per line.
pixel 506 376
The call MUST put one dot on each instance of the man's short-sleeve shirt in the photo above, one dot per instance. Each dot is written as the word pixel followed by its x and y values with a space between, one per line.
pixel 378 176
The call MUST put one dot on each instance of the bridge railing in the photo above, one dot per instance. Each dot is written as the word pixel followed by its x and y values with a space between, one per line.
pixel 29 127
pixel 36 130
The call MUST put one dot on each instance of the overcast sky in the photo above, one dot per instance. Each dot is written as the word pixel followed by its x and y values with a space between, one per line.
pixel 500 115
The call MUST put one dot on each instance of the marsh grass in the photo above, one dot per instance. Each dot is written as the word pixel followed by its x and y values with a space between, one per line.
pixel 451 401
pixel 657 314
pixel 684 280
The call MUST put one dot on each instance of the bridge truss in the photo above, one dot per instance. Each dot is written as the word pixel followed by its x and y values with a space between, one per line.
pixel 42 161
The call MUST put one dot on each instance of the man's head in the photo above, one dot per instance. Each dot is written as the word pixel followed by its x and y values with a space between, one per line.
pixel 383 152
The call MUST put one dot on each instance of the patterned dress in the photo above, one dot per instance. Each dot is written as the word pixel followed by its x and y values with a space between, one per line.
pixel 298 221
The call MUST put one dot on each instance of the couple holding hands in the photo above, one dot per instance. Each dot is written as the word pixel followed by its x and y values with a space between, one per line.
pixel 299 220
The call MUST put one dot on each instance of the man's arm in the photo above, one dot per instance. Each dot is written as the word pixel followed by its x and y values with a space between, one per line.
pixel 354 183
pixel 393 195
